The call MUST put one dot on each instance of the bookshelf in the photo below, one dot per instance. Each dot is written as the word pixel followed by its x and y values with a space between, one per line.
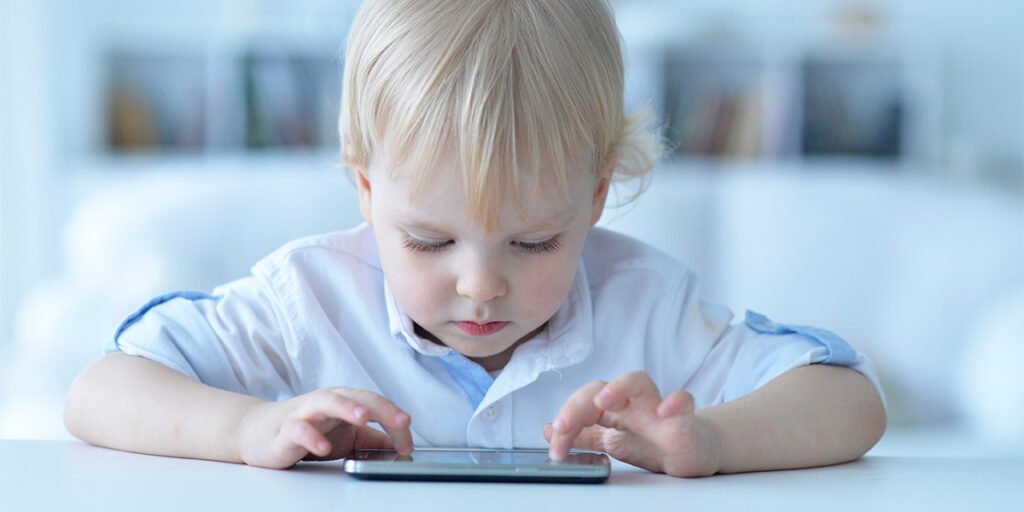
pixel 201 84
pixel 240 86
pixel 809 104
pixel 195 101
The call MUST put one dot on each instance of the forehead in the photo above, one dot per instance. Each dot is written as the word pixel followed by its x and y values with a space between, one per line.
pixel 439 201
pixel 414 218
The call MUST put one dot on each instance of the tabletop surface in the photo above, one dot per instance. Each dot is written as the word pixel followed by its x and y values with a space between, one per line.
pixel 63 475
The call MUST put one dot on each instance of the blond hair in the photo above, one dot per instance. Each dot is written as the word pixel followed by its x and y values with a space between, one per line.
pixel 511 88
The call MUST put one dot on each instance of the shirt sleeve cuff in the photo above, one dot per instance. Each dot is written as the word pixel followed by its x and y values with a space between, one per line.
pixel 113 344
pixel 839 352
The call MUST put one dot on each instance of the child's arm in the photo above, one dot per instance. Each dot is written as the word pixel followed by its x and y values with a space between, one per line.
pixel 809 416
pixel 134 404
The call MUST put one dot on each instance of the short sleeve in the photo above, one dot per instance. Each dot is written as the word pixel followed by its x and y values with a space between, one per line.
pixel 751 354
pixel 233 339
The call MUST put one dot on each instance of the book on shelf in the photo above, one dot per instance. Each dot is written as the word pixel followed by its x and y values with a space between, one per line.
pixel 287 98
pixel 155 103
pixel 718 122
pixel 840 120
pixel 260 99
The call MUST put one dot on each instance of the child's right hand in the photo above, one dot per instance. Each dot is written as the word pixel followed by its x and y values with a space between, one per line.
pixel 325 424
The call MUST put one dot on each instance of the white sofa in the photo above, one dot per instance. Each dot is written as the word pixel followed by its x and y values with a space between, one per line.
pixel 918 275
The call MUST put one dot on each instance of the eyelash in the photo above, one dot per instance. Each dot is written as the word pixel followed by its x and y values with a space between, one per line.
pixel 550 245
pixel 415 245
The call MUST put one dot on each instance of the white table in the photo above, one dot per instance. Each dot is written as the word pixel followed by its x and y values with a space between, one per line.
pixel 61 475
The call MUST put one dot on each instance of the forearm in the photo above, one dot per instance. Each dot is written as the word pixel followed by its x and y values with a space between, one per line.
pixel 134 404
pixel 810 416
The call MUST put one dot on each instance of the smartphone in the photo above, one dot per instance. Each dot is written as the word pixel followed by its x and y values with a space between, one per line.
pixel 477 465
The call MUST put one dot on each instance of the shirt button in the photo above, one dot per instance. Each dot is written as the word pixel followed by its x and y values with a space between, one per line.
pixel 491 413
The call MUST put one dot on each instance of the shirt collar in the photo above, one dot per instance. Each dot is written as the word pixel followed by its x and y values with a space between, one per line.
pixel 569 334
pixel 567 339
pixel 403 330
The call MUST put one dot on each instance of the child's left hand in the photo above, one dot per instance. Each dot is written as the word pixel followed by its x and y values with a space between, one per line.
pixel 628 419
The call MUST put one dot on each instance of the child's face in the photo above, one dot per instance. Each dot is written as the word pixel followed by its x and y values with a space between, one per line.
pixel 479 293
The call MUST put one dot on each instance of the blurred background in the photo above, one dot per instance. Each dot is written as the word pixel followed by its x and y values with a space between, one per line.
pixel 856 165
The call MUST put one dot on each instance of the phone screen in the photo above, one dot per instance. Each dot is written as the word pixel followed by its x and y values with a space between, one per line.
pixel 500 457
pixel 478 465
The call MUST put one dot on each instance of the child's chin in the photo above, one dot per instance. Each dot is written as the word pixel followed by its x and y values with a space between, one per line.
pixel 477 348
pixel 476 351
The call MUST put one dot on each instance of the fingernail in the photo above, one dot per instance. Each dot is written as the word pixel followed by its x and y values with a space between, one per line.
pixel 560 425
pixel 359 412
pixel 401 418
pixel 322 446
pixel 407 448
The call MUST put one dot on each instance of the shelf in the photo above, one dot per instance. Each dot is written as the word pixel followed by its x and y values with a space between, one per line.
pixel 269 160
pixel 725 104
pixel 262 96
pixel 877 103
pixel 804 164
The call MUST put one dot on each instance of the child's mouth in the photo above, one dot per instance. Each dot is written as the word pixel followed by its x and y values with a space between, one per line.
pixel 475 329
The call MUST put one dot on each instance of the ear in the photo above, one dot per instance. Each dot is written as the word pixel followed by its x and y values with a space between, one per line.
pixel 363 186
pixel 604 182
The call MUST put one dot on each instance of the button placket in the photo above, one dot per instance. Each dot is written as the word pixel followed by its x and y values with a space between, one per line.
pixel 491 413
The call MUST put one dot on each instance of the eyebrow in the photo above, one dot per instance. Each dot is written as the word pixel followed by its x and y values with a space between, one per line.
pixel 559 220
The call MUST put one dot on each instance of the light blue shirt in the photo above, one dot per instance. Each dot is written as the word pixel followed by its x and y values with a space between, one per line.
pixel 317 313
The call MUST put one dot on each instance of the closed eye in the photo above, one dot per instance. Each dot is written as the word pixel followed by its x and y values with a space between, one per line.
pixel 550 245
pixel 417 245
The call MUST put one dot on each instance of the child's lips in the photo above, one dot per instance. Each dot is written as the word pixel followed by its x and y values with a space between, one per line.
pixel 485 329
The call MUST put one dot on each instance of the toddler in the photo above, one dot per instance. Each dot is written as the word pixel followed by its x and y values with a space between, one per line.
pixel 477 305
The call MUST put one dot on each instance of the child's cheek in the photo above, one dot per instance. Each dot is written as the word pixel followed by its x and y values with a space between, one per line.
pixel 548 288
pixel 413 280
pixel 419 273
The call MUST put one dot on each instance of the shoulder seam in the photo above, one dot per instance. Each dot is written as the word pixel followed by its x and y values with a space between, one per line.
pixel 679 273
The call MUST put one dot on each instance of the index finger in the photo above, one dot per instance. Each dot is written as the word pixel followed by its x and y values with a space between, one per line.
pixel 385 413
pixel 578 412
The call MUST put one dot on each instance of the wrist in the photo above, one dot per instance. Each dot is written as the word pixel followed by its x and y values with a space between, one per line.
pixel 710 439
pixel 246 429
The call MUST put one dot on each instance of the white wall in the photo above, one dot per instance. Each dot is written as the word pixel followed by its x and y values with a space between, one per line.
pixel 6 152
pixel 26 153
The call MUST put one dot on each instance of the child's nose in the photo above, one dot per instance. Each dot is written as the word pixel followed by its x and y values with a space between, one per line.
pixel 481 282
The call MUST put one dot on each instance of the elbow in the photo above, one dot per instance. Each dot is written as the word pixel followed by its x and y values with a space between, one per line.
pixel 81 402
pixel 871 423
pixel 74 411
pixel 876 420
pixel 862 410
